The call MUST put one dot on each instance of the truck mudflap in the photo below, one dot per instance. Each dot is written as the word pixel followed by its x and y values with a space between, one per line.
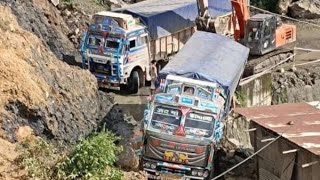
pixel 108 82
pixel 170 171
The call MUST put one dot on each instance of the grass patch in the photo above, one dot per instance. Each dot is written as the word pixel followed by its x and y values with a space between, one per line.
pixel 91 158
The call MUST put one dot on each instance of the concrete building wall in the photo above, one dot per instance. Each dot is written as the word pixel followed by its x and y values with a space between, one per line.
pixel 258 92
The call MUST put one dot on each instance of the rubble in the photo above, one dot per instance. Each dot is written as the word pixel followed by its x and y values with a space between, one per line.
pixel 124 125
pixel 301 85
pixel 305 9
pixel 300 8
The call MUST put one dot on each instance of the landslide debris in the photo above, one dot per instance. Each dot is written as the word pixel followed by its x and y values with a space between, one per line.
pixel 43 19
pixel 57 101
pixel 301 85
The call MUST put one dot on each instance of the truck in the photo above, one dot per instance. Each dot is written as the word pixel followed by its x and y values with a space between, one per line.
pixel 119 46
pixel 183 121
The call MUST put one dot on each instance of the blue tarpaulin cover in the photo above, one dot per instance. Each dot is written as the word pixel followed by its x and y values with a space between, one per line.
pixel 165 17
pixel 210 57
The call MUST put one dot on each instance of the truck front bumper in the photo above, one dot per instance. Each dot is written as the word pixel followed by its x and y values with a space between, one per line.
pixel 108 82
pixel 163 170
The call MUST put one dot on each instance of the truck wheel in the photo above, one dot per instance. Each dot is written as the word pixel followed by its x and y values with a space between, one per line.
pixel 134 83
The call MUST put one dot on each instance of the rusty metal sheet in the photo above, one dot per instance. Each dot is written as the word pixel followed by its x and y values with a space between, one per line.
pixel 300 122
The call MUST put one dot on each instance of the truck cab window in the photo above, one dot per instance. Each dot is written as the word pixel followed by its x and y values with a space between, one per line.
pixel 112 44
pixel 199 124
pixel 142 40
pixel 132 44
pixel 95 40
pixel 188 90
pixel 165 118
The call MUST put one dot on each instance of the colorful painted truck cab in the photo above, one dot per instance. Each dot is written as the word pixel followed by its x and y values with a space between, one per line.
pixel 183 124
pixel 119 46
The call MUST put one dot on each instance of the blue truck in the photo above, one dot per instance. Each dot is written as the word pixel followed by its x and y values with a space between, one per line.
pixel 119 46
pixel 183 123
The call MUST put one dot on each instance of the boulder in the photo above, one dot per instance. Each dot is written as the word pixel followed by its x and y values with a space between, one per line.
pixel 283 5
pixel 305 9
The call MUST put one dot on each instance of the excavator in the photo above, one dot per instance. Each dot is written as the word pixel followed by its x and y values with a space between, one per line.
pixel 264 34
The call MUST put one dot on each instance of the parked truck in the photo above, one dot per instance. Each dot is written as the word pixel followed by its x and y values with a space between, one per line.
pixel 119 46
pixel 183 123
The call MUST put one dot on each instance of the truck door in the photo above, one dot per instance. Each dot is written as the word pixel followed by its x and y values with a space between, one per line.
pixel 269 36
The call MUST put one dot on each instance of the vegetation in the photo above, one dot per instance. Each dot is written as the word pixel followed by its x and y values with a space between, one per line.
pixel 269 5
pixel 241 97
pixel 279 96
pixel 91 158
pixel 68 1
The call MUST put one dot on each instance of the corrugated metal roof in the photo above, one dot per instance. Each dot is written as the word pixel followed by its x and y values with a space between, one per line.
pixel 304 119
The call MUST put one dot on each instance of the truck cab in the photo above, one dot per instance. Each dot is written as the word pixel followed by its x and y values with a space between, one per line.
pixel 115 49
pixel 181 129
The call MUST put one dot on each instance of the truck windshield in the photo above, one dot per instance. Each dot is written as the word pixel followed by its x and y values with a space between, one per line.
pixel 112 44
pixel 95 40
pixel 165 118
pixel 199 124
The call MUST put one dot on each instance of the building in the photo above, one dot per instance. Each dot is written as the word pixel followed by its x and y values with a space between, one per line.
pixel 296 154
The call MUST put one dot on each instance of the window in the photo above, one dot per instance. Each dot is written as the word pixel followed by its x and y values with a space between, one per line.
pixel 112 44
pixel 267 29
pixel 95 40
pixel 188 90
pixel 142 40
pixel 132 43
pixel 166 118
pixel 199 124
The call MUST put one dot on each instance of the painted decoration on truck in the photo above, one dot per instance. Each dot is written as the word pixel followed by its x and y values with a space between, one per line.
pixel 164 98
pixel 186 101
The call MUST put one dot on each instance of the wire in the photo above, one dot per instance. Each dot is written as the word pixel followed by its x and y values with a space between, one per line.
pixel 248 158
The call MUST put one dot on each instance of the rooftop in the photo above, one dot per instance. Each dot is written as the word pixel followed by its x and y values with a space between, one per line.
pixel 300 122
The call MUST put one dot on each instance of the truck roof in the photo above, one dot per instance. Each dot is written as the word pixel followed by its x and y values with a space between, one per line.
pixel 133 24
pixel 210 57
pixel 114 15
pixel 165 17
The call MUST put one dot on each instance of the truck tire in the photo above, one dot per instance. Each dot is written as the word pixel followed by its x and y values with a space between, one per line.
pixel 134 82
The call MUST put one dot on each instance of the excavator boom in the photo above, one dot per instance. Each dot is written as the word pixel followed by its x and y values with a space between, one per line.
pixel 240 16
pixel 204 21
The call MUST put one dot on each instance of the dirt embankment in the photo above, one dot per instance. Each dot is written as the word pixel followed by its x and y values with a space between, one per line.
pixel 57 101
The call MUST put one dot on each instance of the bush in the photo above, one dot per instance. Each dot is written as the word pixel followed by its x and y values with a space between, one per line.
pixel 92 158
pixel 37 158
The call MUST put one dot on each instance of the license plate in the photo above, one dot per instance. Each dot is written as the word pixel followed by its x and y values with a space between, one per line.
pixel 169 177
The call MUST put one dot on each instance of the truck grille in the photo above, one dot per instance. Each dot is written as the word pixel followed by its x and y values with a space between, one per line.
pixel 173 152
pixel 100 68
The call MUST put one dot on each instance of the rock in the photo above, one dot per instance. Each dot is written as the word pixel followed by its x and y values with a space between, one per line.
pixel 234 142
pixel 66 12
pixel 124 125
pixel 55 2
pixel 305 9
pixel 282 6
pixel 23 133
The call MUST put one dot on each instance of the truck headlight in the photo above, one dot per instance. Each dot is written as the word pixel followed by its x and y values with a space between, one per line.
pixel 153 166
pixel 200 173
pixel 194 173
pixel 147 165
pixel 206 173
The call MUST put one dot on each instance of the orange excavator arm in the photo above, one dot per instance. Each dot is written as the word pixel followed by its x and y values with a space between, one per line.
pixel 240 16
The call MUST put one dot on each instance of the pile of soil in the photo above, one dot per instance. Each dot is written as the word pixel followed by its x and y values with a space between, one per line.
pixel 58 101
